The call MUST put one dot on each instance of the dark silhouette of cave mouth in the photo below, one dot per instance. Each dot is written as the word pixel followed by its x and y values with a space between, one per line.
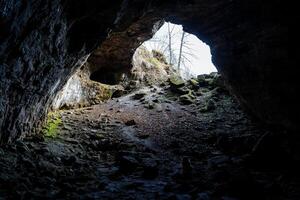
pixel 105 77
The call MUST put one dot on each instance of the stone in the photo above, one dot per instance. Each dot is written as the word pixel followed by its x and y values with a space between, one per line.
pixel 67 127
pixel 202 81
pixel 187 98
pixel 217 81
pixel 138 95
pixel 181 91
pixel 130 122
pixel 150 105
pixel 159 108
pixel 71 140
pixel 118 92
pixel 176 81
pixel 194 83
pixel 209 106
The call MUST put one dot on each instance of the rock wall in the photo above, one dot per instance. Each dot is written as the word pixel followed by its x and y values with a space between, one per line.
pixel 42 42
pixel 249 44
pixel 72 93
pixel 116 52
pixel 81 91
pixel 149 68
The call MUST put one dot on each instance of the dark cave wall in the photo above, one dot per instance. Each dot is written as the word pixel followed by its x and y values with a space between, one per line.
pixel 249 42
pixel 115 53
pixel 42 41
pixel 41 44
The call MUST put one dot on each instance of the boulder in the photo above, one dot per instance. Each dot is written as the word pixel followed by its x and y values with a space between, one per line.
pixel 176 81
pixel 209 106
pixel 194 83
pixel 138 95
pixel 187 99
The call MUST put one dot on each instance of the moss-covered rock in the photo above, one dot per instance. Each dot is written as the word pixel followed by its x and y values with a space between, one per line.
pixel 217 81
pixel 181 91
pixel 155 62
pixel 194 84
pixel 81 91
pixel 159 56
pixel 188 98
pixel 150 105
pixel 53 121
pixel 139 95
pixel 176 81
pixel 210 105
pixel 149 68
pixel 202 81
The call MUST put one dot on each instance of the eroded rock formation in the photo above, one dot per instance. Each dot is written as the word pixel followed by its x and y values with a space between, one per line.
pixel 80 91
pixel 43 42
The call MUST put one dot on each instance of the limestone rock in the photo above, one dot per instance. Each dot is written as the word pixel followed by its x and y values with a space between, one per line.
pixel 176 81
pixel 194 83
pixel 138 95
pixel 187 98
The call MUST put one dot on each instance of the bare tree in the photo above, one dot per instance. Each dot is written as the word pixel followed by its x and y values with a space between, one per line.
pixel 170 42
pixel 166 43
pixel 180 50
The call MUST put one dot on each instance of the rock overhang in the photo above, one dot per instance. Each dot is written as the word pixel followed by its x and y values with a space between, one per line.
pixel 248 43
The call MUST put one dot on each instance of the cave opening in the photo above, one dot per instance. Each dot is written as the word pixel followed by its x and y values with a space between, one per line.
pixel 164 125
pixel 105 77
pixel 184 51
pixel 163 131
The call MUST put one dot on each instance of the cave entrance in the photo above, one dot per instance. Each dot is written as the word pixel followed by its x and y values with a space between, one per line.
pixel 181 140
pixel 184 51
pixel 104 76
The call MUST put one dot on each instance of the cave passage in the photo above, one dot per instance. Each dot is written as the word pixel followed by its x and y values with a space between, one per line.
pixel 105 77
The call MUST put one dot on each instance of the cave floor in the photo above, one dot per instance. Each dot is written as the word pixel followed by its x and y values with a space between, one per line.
pixel 145 145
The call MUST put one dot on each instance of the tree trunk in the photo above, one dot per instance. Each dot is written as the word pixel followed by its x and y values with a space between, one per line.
pixel 170 43
pixel 180 51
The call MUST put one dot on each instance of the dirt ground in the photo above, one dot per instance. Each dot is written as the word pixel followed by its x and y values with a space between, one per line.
pixel 148 145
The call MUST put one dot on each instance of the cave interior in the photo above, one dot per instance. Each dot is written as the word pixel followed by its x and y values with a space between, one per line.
pixel 228 135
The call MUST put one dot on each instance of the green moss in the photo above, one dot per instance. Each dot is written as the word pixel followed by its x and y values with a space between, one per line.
pixel 194 82
pixel 159 56
pixel 107 92
pixel 52 123
pixel 103 92
pixel 155 62
pixel 176 81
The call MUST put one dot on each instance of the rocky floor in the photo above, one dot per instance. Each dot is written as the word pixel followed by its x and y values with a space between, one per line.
pixel 148 145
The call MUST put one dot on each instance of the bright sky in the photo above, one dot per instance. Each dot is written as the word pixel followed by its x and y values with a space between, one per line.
pixel 200 62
